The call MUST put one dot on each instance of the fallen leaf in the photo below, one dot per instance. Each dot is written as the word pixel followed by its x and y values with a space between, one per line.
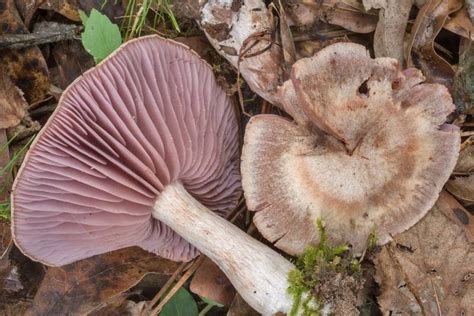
pixel 72 61
pixel 427 270
pixel 462 183
pixel 12 104
pixel 464 79
pixel 240 308
pixel 391 27
pixel 88 284
pixel 26 67
pixel 460 24
pixel 210 282
pixel 457 213
pixel 420 51
pixel 67 8
pixel 347 14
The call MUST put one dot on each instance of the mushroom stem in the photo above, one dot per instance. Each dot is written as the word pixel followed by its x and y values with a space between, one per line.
pixel 257 272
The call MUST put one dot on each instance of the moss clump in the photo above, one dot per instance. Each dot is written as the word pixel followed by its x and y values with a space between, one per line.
pixel 325 277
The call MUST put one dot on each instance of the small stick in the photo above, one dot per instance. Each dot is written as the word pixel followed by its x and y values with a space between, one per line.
pixel 58 33
pixel 178 284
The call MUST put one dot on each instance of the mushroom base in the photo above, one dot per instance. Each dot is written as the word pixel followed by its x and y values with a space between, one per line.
pixel 257 272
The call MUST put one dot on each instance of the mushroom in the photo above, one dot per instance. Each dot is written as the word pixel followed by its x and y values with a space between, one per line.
pixel 370 154
pixel 141 151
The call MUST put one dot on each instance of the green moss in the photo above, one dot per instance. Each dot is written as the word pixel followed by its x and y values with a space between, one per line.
pixel 316 263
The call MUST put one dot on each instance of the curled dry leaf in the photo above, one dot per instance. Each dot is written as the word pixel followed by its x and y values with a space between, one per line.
pixel 428 269
pixel 242 33
pixel 12 103
pixel 86 285
pixel 26 67
pixel 390 32
pixel 420 51
pixel 464 79
pixel 462 183
pixel 460 24
pixel 210 282
pixel 347 14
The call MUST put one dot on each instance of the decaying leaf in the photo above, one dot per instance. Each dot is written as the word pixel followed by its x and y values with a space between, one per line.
pixel 347 14
pixel 390 32
pixel 464 80
pixel 420 51
pixel 12 103
pixel 460 24
pixel 86 285
pixel 26 67
pixel 462 183
pixel 240 308
pixel 457 213
pixel 210 282
pixel 428 269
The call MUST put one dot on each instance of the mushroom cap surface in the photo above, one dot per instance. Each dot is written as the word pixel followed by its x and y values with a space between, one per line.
pixel 150 114
pixel 372 159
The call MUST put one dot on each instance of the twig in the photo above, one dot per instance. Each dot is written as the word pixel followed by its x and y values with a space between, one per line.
pixel 178 284
pixel 51 34
pixel 164 288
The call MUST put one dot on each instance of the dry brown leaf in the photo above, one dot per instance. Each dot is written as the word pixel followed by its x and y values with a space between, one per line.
pixel 457 213
pixel 72 61
pixel 69 9
pixel 89 284
pixel 26 67
pixel 460 24
pixel 420 51
pixel 462 185
pixel 347 14
pixel 12 104
pixel 427 270
pixel 390 32
pixel 240 308
pixel 210 282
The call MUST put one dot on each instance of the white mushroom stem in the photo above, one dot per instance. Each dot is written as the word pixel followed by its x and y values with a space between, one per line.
pixel 257 272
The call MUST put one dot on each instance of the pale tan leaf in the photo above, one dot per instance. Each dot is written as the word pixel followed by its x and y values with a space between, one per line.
pixel 427 270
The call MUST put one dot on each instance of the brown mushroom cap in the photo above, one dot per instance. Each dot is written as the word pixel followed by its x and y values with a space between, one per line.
pixel 379 165
pixel 151 114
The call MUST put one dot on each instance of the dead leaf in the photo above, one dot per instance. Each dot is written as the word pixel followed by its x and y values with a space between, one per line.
pixel 26 67
pixel 457 213
pixel 462 183
pixel 72 61
pixel 347 14
pixel 420 51
pixel 67 8
pixel 427 270
pixel 210 282
pixel 240 308
pixel 86 285
pixel 460 24
pixel 391 27
pixel 464 79
pixel 12 103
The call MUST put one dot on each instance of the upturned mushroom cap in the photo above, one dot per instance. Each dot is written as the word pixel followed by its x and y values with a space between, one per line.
pixel 379 165
pixel 152 113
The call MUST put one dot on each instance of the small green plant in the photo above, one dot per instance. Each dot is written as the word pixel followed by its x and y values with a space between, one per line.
pixel 6 172
pixel 316 262
pixel 137 12
pixel 100 37
pixel 181 304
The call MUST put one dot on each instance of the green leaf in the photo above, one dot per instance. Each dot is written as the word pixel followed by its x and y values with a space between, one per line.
pixel 83 17
pixel 100 37
pixel 181 304
pixel 210 302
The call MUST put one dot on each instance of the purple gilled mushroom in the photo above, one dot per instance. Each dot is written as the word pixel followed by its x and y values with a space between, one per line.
pixel 132 147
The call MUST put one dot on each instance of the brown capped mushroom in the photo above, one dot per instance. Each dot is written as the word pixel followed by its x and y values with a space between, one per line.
pixel 141 151
pixel 370 154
